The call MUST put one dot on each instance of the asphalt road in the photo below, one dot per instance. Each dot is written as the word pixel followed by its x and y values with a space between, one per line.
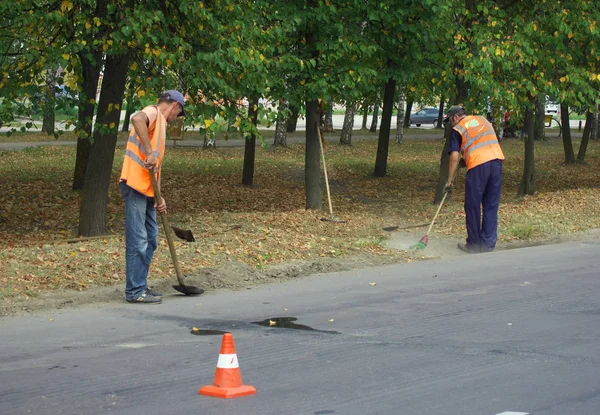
pixel 511 332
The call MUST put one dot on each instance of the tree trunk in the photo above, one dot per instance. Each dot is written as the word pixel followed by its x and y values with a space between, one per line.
pixel 589 119
pixel 329 119
pixel 444 163
pixel 250 146
pixel 346 136
pixel 49 102
pixel 409 104
pixel 90 70
pixel 384 131
pixel 566 128
pixel 375 117
pixel 293 119
pixel 440 114
pixel 129 109
pixel 312 166
pixel 593 126
pixel 400 116
pixel 527 186
pixel 365 115
pixel 92 218
pixel 281 124
pixel 540 111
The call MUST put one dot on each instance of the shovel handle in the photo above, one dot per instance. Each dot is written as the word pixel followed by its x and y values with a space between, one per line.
pixel 165 221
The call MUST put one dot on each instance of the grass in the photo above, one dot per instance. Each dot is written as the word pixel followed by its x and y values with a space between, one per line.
pixel 267 224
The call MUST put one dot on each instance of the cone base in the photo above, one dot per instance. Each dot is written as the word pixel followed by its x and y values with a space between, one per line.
pixel 227 393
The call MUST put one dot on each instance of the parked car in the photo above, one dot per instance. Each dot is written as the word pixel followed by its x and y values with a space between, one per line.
pixel 424 116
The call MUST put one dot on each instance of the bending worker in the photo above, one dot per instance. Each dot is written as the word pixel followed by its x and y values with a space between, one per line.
pixel 476 140
pixel 145 150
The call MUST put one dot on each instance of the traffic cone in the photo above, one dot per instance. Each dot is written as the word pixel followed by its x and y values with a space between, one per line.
pixel 228 379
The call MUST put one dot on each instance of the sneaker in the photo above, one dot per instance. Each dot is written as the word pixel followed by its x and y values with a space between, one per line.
pixel 467 248
pixel 146 299
pixel 150 291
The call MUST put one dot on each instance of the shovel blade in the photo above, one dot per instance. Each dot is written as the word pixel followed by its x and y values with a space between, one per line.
pixel 188 290
pixel 184 234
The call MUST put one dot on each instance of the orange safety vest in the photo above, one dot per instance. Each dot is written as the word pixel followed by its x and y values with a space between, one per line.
pixel 134 173
pixel 479 141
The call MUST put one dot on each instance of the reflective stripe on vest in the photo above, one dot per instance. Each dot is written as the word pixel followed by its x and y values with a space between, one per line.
pixel 479 141
pixel 134 172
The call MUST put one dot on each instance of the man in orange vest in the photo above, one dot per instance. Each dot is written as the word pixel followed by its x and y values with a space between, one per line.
pixel 145 150
pixel 474 137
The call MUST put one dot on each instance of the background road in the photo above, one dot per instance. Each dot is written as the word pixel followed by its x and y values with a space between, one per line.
pixel 513 331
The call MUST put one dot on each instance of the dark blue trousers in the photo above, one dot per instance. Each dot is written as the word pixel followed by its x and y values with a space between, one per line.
pixel 482 192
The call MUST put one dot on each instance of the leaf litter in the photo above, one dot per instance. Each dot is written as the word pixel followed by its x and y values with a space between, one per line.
pixel 251 235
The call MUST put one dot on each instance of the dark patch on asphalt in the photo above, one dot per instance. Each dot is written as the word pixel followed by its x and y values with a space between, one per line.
pixel 288 323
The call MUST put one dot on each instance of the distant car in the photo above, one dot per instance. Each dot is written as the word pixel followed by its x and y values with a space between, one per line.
pixel 552 107
pixel 425 116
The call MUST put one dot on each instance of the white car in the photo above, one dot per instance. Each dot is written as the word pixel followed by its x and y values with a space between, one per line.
pixel 552 107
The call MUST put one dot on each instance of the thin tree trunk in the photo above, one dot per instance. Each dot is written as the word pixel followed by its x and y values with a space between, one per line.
pixel 375 119
pixel 312 169
pixel 129 109
pixel 540 111
pixel 346 136
pixel 281 124
pixel 49 103
pixel 527 186
pixel 444 163
pixel 293 119
pixel 92 218
pixel 250 146
pixel 384 131
pixel 440 114
pixel 329 119
pixel 409 104
pixel 567 141
pixel 589 119
pixel 400 116
pixel 365 115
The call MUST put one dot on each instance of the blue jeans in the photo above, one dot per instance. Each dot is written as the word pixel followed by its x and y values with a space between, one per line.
pixel 482 193
pixel 141 239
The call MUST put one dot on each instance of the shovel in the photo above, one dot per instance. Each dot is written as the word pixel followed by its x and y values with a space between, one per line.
pixel 181 287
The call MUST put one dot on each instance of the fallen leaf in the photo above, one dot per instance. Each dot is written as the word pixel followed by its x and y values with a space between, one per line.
pixel 372 284
pixel 331 320
pixel 272 323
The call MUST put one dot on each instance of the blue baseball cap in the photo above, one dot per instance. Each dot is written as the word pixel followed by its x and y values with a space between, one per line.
pixel 176 96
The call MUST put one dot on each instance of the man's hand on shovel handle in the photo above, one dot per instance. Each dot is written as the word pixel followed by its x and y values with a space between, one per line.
pixel 162 207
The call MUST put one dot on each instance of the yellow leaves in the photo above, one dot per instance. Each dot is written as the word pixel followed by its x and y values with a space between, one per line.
pixel 97 21
pixel 494 23
pixel 66 56
pixel 552 60
pixel 255 107
pixel 66 6
pixel 156 52
pixel 592 25
pixel 570 35
pixel 200 27
pixel 134 66
pixel 261 57
pixel 563 79
pixel 484 49
pixel 302 82
pixel 535 27
pixel 111 125
pixel 88 25
pixel 208 122
pixel 498 51
pixel 141 93
pixel 169 62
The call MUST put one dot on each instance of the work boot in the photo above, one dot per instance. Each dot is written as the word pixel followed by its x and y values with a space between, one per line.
pixel 145 299
pixel 150 291
pixel 469 249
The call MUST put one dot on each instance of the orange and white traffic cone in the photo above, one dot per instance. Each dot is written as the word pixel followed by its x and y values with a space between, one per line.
pixel 228 379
